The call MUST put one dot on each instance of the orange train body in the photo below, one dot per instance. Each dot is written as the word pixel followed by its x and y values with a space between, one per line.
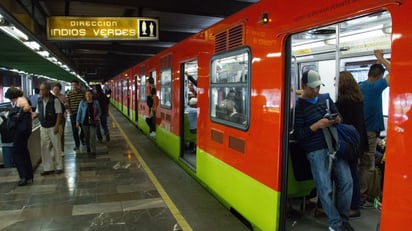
pixel 263 150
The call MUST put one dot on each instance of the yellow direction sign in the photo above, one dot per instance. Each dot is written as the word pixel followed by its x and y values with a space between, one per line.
pixel 102 28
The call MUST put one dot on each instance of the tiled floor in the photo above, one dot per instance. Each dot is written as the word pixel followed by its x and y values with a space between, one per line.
pixel 111 192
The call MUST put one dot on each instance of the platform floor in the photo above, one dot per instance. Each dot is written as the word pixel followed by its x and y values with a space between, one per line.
pixel 131 185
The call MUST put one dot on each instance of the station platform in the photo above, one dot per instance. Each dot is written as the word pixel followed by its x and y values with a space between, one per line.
pixel 131 185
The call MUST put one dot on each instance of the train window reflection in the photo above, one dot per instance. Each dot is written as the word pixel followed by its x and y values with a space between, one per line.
pixel 166 88
pixel 230 88
pixel 143 87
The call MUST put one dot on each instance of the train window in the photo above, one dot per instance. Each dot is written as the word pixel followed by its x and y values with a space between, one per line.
pixel 166 88
pixel 153 75
pixel 229 88
pixel 143 87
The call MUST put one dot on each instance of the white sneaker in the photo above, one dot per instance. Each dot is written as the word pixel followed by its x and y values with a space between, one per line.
pixel 153 134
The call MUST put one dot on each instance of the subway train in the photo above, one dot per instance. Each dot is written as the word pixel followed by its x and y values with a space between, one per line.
pixel 245 72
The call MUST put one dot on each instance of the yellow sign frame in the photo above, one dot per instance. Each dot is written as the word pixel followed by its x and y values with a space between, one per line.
pixel 102 28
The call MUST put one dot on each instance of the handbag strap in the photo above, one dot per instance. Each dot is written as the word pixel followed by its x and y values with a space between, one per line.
pixel 330 133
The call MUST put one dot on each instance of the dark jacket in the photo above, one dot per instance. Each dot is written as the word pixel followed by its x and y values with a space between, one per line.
pixel 352 113
pixel 48 119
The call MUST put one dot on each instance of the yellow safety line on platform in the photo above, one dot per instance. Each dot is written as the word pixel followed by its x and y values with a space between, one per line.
pixel 169 203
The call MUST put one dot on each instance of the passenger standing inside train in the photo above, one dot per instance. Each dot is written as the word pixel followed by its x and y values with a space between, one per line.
pixel 88 116
pixel 49 111
pixel 20 120
pixel 311 108
pixel 57 88
pixel 372 89
pixel 151 103
pixel 350 106
pixel 73 100
pixel 192 112
pixel 104 105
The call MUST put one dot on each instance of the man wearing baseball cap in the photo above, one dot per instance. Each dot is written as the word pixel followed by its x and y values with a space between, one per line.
pixel 311 108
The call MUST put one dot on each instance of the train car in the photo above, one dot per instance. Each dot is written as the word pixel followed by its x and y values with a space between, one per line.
pixel 246 69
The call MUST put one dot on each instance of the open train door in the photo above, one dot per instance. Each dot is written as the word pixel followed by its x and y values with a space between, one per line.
pixel 188 112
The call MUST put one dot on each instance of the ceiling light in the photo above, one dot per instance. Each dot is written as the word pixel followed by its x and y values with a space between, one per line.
pixel 15 33
pixel 44 54
pixel 355 37
pixel 32 45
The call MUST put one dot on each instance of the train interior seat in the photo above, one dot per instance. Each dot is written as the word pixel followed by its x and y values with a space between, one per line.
pixel 300 179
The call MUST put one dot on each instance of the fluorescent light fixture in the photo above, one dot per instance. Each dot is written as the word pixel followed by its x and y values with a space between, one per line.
pixel 308 45
pixel 32 45
pixel 52 59
pixel 15 33
pixel 44 54
pixel 355 37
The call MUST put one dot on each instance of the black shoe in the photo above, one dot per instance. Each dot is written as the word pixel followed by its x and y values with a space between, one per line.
pixel 25 181
pixel 59 171
pixel 45 173
pixel 107 137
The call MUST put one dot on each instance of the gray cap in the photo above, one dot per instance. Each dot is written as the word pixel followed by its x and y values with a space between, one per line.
pixel 311 78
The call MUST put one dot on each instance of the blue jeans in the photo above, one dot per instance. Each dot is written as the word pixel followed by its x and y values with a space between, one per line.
pixel 75 131
pixel 319 162
pixel 103 124
pixel 8 157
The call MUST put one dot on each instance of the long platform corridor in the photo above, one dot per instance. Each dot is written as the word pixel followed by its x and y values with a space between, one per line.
pixel 131 185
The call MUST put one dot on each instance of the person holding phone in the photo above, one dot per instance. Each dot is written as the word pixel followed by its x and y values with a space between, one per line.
pixel 311 108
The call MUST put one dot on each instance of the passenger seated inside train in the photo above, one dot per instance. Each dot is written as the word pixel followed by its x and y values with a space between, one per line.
pixel 227 106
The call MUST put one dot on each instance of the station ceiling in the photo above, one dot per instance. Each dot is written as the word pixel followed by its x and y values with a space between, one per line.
pixel 101 60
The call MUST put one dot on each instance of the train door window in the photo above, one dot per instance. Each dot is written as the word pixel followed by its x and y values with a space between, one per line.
pixel 143 87
pixel 190 88
pixel 166 88
pixel 230 88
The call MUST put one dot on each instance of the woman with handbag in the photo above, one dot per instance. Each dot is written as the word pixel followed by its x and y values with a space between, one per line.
pixel 20 119
pixel 88 117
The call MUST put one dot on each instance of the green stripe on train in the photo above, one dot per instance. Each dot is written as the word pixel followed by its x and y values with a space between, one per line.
pixel 255 201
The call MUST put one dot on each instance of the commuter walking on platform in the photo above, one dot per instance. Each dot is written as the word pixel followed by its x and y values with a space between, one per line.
pixel 20 120
pixel 372 89
pixel 310 120
pixel 49 111
pixel 73 100
pixel 104 105
pixel 88 117
pixel 63 101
